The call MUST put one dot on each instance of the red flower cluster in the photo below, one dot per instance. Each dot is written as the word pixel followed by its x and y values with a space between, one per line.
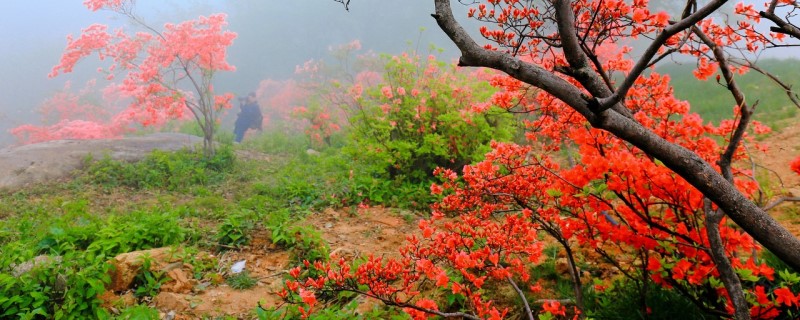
pixel 584 187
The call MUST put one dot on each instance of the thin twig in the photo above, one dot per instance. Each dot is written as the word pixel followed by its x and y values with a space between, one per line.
pixel 522 297
pixel 779 201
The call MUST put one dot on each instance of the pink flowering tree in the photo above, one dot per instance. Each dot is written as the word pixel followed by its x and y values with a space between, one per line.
pixel 164 72
pixel 74 115
pixel 330 84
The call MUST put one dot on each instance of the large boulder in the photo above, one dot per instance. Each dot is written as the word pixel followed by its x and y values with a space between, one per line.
pixel 46 161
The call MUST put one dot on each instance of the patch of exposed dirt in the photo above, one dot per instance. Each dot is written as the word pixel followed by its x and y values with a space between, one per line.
pixel 377 230
pixel 264 262
pixel 782 148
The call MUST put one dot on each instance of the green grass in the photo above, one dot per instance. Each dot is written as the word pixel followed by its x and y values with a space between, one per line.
pixel 714 102
pixel 241 281
pixel 178 199
pixel 169 199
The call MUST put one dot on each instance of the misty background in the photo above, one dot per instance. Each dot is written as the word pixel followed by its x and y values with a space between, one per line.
pixel 273 37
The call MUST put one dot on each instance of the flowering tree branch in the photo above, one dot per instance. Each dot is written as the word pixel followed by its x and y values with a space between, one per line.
pixel 687 164
pixel 781 25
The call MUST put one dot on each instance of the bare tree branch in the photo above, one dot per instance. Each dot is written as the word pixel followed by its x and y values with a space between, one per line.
pixel 652 50
pixel 346 4
pixel 779 201
pixel 522 297
pixel 744 109
pixel 473 55
pixel 578 61
pixel 786 87
pixel 782 26
pixel 713 217
pixel 729 277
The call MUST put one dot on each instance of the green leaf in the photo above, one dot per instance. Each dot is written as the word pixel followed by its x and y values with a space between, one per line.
pixel 554 193
pixel 747 275
pixel 788 276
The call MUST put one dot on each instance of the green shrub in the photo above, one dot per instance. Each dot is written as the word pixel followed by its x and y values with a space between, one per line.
pixel 75 229
pixel 347 311
pixel 148 282
pixel 623 301
pixel 166 170
pixel 113 235
pixel 235 230
pixel 137 231
pixel 55 267
pixel 66 288
pixel 332 180
pixel 305 242
pixel 278 142
pixel 422 117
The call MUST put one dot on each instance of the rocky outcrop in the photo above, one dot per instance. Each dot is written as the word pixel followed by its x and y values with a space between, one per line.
pixel 41 162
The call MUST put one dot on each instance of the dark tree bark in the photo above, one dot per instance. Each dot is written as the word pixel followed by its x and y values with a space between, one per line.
pixel 782 25
pixel 714 216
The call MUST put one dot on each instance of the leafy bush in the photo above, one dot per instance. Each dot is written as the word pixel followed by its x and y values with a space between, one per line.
pixel 344 312
pixel 332 179
pixel 278 142
pixel 167 170
pixel 305 242
pixel 70 271
pixel 117 234
pixel 234 231
pixel 148 282
pixel 64 289
pixel 425 115
pixel 623 301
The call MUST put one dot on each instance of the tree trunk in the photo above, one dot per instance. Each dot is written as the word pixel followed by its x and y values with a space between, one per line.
pixel 726 272
pixel 208 140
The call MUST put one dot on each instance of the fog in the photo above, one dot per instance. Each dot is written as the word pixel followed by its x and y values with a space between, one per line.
pixel 273 37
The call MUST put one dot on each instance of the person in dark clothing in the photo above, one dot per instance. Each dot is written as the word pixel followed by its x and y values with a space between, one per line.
pixel 249 117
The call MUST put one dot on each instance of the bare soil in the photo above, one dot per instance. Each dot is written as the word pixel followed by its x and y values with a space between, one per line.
pixel 782 148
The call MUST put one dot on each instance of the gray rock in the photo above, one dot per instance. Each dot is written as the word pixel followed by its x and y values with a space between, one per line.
pixel 27 266
pixel 36 163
